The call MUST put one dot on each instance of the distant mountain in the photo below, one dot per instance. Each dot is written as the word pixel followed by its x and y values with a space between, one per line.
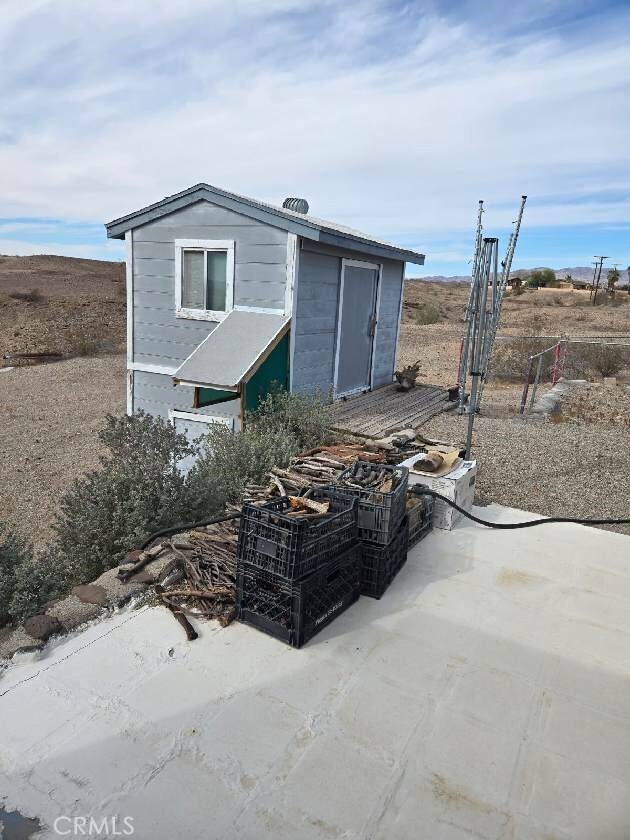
pixel 580 272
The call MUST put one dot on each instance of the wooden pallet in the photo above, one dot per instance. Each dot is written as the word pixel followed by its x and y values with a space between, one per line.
pixel 377 413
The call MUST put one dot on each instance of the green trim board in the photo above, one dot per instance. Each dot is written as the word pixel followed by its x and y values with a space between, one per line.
pixel 275 369
pixel 211 396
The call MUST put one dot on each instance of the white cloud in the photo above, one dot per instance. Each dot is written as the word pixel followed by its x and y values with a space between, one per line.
pixel 394 120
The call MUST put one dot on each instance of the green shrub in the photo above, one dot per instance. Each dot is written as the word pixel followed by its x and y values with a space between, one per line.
pixel 606 361
pixel 305 417
pixel 426 313
pixel 39 580
pixel 282 426
pixel 14 554
pixel 138 489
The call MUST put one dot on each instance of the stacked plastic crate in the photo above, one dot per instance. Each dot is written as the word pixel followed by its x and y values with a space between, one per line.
pixel 296 574
pixel 383 525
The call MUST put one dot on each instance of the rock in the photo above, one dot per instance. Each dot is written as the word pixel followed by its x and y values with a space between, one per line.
pixel 90 594
pixel 133 556
pixel 42 626
pixel 72 612
pixel 117 592
pixel 155 551
pixel 19 642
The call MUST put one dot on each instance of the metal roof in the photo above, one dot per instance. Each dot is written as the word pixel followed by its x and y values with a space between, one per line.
pixel 310 227
pixel 233 350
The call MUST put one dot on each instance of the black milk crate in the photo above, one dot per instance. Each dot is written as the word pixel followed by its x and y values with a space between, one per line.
pixel 379 514
pixel 292 546
pixel 420 517
pixel 381 563
pixel 294 611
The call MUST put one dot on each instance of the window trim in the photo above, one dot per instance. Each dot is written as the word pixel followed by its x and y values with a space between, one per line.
pixel 182 245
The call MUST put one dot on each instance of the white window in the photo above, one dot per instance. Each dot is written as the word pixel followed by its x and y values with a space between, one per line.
pixel 204 278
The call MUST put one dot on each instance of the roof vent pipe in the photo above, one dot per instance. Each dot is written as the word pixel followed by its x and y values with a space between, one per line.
pixel 298 205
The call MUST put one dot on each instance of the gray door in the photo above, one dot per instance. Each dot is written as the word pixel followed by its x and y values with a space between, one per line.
pixel 355 333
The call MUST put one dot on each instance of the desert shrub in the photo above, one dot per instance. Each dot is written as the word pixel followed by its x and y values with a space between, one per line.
pixel 305 417
pixel 426 313
pixel 14 555
pixel 282 426
pixel 138 489
pixel 39 579
pixel 84 340
pixel 32 296
pixel 606 361
pixel 510 359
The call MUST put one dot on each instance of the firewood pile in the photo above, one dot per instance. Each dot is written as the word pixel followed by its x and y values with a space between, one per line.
pixel 201 564
pixel 200 576
pixel 313 468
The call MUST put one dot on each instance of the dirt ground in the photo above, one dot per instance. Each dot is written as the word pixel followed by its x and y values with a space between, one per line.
pixel 576 465
pixel 49 414
pixel 61 305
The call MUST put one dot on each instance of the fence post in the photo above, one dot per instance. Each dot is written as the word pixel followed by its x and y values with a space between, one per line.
pixel 526 385
pixel 556 365
pixel 536 381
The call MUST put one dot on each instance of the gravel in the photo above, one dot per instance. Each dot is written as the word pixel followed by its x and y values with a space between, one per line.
pixel 50 417
pixel 546 466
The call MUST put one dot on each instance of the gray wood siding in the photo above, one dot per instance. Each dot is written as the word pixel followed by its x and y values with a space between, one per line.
pixel 159 337
pixel 315 322
pixel 155 394
pixel 316 311
pixel 385 343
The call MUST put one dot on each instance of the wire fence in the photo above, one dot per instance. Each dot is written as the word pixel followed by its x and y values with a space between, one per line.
pixel 536 362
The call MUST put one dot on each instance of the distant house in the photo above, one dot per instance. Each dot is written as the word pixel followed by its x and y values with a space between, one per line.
pixel 226 295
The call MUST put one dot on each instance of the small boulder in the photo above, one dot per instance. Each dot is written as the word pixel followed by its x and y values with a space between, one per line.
pixel 42 626
pixel 89 593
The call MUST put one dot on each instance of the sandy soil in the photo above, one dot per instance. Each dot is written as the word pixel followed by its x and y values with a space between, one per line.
pixel 77 307
pixel 576 467
pixel 49 416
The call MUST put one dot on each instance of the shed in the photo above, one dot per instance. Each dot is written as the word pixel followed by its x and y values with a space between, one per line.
pixel 227 294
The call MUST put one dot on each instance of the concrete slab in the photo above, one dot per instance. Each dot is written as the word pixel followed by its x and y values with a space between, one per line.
pixel 486 695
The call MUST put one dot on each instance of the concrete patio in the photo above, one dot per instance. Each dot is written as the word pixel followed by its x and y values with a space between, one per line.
pixel 487 695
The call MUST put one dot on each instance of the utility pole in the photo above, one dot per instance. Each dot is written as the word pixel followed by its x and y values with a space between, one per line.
pixel 592 289
pixel 599 275
pixel 628 286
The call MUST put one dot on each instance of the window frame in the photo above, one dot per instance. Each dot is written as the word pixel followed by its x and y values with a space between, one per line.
pixel 204 245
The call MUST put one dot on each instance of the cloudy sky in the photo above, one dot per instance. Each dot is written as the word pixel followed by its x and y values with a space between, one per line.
pixel 391 117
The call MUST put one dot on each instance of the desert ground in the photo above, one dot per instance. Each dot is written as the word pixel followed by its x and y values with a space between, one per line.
pixel 576 465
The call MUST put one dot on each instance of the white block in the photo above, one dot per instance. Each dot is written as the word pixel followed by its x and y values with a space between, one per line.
pixel 458 485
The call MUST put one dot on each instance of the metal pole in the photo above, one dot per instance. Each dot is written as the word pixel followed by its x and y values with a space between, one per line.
pixel 535 385
pixel 465 347
pixel 556 365
pixel 489 246
pixel 505 273
pixel 526 385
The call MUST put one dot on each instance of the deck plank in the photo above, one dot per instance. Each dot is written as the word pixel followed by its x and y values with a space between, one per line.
pixel 376 413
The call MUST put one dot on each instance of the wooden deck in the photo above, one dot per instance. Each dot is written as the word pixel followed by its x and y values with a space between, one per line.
pixel 377 413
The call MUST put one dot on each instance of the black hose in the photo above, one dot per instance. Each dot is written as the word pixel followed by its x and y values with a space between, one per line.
pixel 188 526
pixel 421 490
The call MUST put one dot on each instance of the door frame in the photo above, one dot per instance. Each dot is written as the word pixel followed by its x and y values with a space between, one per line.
pixel 370 266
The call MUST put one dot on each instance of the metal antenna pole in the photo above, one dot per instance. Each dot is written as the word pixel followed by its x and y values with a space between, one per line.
pixel 505 274
pixel 465 346
pixel 487 262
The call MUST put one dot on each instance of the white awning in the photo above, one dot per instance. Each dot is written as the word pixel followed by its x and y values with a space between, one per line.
pixel 233 350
